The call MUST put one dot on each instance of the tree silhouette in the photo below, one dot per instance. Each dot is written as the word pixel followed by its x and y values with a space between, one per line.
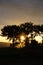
pixel 11 32
pixel 41 28
pixel 26 27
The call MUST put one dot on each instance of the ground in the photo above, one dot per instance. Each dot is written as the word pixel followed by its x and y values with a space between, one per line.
pixel 30 56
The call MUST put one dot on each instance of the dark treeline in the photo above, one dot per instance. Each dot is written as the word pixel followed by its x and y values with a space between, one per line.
pixel 12 31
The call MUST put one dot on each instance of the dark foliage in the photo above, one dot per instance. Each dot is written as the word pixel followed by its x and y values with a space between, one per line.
pixel 12 31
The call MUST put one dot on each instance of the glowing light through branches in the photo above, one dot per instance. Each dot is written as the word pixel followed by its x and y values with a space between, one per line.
pixel 38 38
pixel 20 45
pixel 22 37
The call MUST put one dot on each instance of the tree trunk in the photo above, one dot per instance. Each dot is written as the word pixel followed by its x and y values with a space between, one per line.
pixel 42 39
pixel 13 43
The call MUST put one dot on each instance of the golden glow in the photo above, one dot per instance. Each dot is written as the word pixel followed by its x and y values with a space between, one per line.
pixel 38 38
pixel 30 40
pixel 41 34
pixel 21 40
pixel 22 37
pixel 4 39
pixel 29 35
pixel 17 40
pixel 33 32
pixel 21 45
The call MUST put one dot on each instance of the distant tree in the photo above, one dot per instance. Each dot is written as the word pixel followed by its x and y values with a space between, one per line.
pixel 11 32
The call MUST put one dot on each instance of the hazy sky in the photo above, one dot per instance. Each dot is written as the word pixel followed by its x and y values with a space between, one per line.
pixel 20 11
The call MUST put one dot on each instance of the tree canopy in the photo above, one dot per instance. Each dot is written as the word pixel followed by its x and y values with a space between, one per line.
pixel 12 31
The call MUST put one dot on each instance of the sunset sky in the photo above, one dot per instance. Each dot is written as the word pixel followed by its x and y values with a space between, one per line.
pixel 20 11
